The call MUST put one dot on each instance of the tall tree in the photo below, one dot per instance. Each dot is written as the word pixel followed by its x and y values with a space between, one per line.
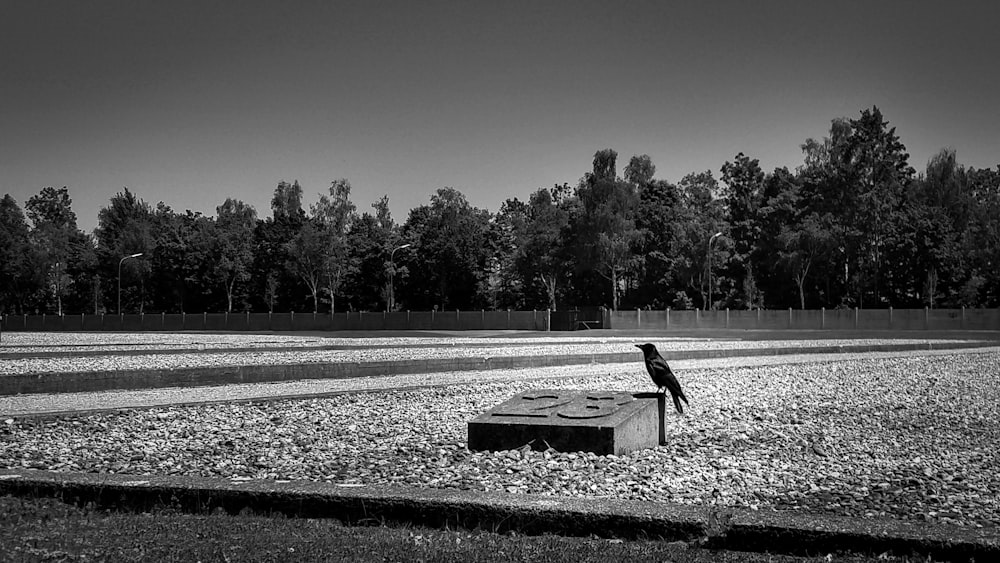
pixel 640 170
pixel 371 241
pixel 744 179
pixel 504 287
pixel 451 249
pixel 234 226
pixel 700 216
pixel 62 251
pixel 335 214
pixel 125 227
pixel 542 257
pixel 273 284
pixel 659 217
pixel 606 233
pixel 878 164
pixel 15 266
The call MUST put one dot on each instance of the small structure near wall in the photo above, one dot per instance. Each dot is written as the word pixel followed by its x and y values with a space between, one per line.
pixel 603 422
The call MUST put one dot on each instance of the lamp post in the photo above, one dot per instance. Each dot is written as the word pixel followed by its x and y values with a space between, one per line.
pixel 136 255
pixel 710 240
pixel 392 274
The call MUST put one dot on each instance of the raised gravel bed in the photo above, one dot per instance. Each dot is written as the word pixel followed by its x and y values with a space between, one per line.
pixel 911 438
pixel 392 350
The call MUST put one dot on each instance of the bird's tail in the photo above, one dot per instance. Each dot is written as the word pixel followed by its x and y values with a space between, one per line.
pixel 677 404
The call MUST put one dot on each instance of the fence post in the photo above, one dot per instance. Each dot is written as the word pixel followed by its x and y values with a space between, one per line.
pixel 790 317
pixel 548 320
pixel 822 318
pixel 855 317
pixel 638 318
pixel 668 318
pixel 890 318
pixel 962 325
pixel 508 319
pixel 727 317
pixel 291 320
pixel 408 319
pixel 697 318
pixel 927 320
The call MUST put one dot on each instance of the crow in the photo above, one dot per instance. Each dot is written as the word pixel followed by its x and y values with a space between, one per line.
pixel 662 375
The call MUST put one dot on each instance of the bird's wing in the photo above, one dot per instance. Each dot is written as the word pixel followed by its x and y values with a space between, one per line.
pixel 674 386
pixel 657 363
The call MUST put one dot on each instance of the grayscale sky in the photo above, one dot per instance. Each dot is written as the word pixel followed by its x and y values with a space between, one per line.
pixel 191 102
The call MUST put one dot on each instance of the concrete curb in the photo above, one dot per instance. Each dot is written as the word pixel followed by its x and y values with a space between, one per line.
pixel 191 377
pixel 712 527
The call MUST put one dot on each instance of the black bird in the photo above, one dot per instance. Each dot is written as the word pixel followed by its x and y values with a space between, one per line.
pixel 662 375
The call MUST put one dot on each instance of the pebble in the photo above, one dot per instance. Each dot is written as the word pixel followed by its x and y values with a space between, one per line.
pixel 734 447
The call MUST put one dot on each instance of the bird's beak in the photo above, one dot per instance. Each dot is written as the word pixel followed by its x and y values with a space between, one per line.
pixel 637 346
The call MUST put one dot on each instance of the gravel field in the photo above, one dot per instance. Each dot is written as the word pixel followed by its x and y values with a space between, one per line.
pixel 911 437
pixel 388 349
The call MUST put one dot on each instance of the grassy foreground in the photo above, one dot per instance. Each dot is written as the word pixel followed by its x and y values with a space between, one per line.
pixel 48 530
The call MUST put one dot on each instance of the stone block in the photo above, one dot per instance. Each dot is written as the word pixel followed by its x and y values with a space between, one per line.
pixel 603 422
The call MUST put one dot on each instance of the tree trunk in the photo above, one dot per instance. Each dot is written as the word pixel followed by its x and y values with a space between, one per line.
pixel 550 289
pixel 614 289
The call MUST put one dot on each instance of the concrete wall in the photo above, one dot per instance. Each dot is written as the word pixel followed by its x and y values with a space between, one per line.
pixel 785 319
pixel 810 319
pixel 399 320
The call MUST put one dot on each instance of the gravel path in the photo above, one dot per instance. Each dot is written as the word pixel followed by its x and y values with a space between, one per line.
pixel 911 436
pixel 390 349
pixel 41 403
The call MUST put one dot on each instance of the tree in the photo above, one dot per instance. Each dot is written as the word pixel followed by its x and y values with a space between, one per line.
pixel 699 216
pixel 234 226
pixel 451 249
pixel 541 256
pixel 60 248
pixel 504 286
pixel 334 214
pixel 802 245
pixel 371 240
pixel 877 163
pixel 659 217
pixel 640 171
pixel 273 284
pixel 306 254
pixel 125 227
pixel 15 266
pixel 184 262
pixel 606 236
pixel 744 179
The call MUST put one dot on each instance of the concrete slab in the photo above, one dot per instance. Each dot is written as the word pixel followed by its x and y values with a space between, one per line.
pixel 716 527
pixel 602 422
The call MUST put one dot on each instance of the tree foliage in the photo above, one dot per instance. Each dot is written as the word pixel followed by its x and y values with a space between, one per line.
pixel 853 225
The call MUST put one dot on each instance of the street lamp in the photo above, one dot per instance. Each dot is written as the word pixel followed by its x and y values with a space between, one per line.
pixel 136 255
pixel 392 274
pixel 710 240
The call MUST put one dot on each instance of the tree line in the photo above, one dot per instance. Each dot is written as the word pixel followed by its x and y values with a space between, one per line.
pixel 853 226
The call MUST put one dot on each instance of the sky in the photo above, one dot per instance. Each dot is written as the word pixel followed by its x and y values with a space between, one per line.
pixel 192 102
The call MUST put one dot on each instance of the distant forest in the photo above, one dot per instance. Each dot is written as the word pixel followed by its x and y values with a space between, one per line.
pixel 853 226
